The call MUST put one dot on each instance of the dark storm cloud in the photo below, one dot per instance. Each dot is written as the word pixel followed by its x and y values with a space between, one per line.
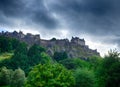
pixel 28 11
pixel 97 7
pixel 99 16
pixel 92 16
pixel 11 8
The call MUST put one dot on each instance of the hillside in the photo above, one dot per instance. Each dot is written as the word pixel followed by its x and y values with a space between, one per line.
pixel 75 48
pixel 30 66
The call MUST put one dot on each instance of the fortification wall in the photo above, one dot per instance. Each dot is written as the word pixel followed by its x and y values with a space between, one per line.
pixel 75 48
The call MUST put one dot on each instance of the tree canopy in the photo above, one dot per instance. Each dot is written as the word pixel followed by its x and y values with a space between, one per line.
pixel 50 75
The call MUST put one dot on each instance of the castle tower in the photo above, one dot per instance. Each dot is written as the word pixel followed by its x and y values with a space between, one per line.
pixel 76 40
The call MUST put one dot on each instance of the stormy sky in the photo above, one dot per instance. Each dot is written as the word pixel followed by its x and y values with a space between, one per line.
pixel 97 21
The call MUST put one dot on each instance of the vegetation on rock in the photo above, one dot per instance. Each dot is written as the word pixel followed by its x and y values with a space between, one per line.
pixel 22 65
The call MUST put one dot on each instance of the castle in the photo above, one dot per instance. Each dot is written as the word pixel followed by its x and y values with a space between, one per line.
pixel 76 48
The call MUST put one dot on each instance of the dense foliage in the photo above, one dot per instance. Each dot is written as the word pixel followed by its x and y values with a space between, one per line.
pixel 74 63
pixel 12 78
pixel 50 75
pixel 60 56
pixel 8 44
pixel 108 72
pixel 84 78
pixel 26 58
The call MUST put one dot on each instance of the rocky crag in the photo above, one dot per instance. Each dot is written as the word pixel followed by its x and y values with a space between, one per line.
pixel 76 48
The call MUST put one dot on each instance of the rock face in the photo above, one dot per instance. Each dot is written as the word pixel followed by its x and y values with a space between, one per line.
pixel 75 48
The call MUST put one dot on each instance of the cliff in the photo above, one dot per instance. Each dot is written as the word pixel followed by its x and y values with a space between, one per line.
pixel 75 48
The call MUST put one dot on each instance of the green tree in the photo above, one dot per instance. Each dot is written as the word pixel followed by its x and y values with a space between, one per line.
pixel 5 44
pixel 50 75
pixel 113 79
pixel 106 73
pixel 34 50
pixel 60 56
pixel 74 63
pixel 19 60
pixel 15 43
pixel 84 78
pixel 34 54
pixel 18 78
pixel 5 76
pixel 45 58
pixel 22 49
pixel 95 62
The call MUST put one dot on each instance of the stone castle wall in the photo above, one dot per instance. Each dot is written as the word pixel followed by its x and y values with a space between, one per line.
pixel 75 48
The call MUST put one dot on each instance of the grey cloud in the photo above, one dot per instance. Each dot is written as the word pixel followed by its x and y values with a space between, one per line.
pixel 41 15
pixel 28 11
pixel 12 8
pixel 92 16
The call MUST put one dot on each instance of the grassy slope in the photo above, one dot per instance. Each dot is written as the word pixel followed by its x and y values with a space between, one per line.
pixel 5 56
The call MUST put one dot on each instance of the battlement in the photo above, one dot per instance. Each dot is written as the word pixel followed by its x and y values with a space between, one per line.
pixel 76 40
